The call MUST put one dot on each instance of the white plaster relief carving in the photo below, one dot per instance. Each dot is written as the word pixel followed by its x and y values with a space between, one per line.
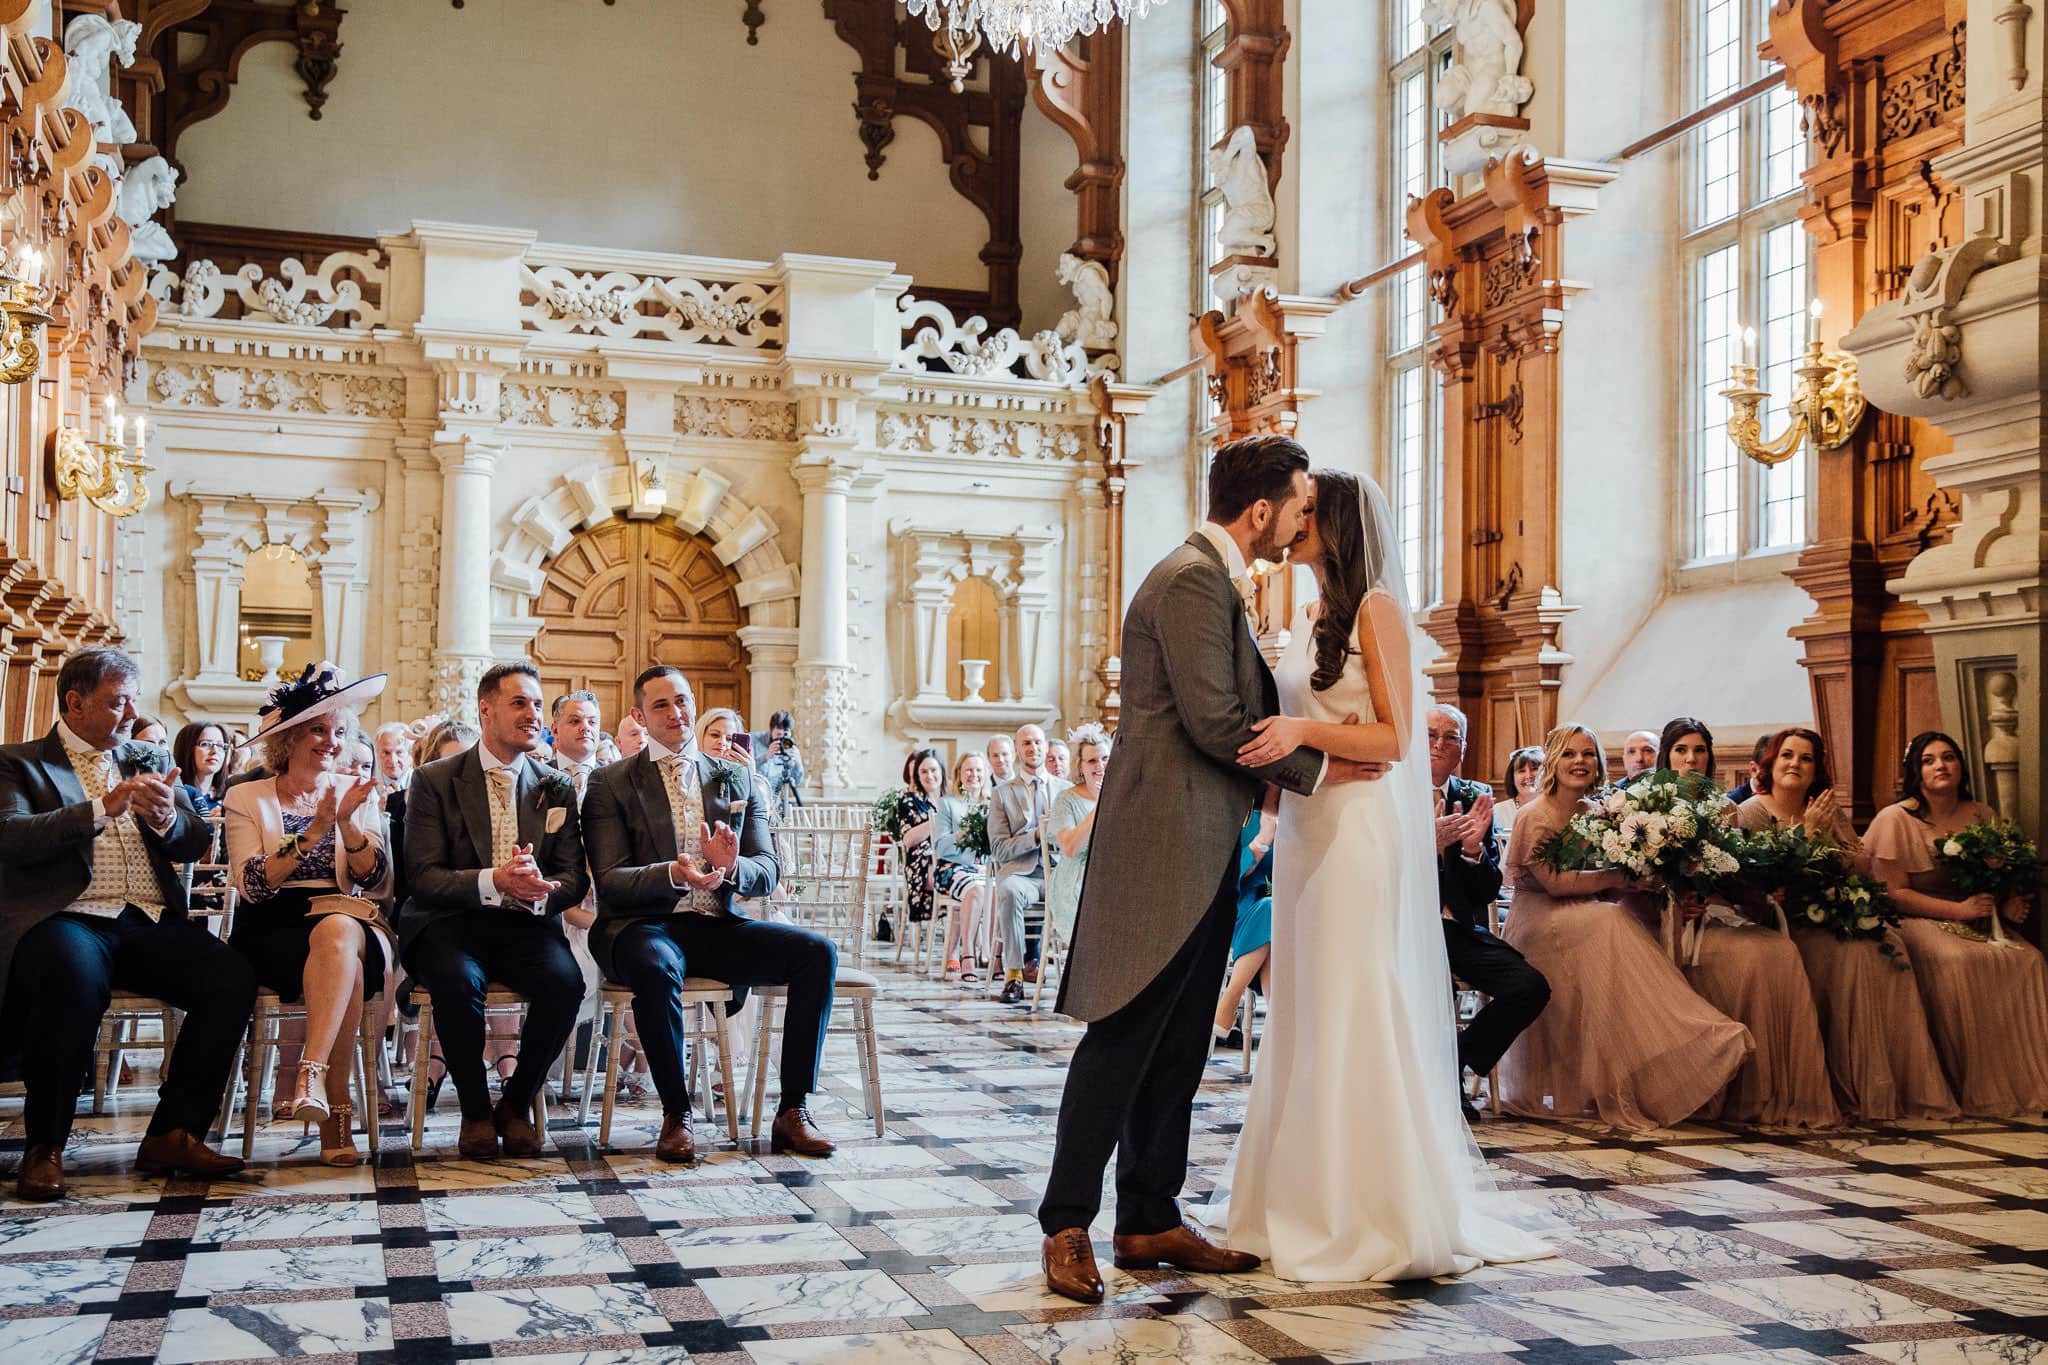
pixel 564 406
pixel 910 432
pixel 737 419
pixel 234 388
pixel 738 313
pixel 298 297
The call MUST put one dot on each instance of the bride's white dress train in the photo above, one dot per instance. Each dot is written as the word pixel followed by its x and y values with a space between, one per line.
pixel 1355 1162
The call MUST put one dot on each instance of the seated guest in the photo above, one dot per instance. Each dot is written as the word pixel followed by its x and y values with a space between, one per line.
pixel 1624 1036
pixel 1002 761
pixel 309 832
pixel 1753 973
pixel 1468 880
pixel 1251 938
pixel 722 735
pixel 150 730
pixel 958 873
pixel 447 739
pixel 92 827
pixel 578 725
pixel 1880 1052
pixel 1072 826
pixel 1743 792
pixel 1059 760
pixel 1016 822
pixel 1988 1002
pixel 1525 772
pixel 393 744
pixel 632 737
pixel 494 855
pixel 1638 755
pixel 200 752
pixel 924 788
pixel 671 846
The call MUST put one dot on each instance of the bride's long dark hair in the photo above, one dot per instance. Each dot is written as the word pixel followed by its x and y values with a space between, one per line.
pixel 1351 565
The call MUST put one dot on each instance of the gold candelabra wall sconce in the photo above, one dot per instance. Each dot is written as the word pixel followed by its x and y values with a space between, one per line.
pixel 21 302
pixel 108 473
pixel 1827 400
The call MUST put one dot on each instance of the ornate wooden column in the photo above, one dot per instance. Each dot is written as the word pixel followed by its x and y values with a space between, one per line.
pixel 1081 88
pixel 1496 272
pixel 1881 86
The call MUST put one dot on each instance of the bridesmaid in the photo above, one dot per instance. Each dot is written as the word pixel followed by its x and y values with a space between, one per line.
pixel 1988 1003
pixel 1880 1054
pixel 1754 975
pixel 1624 1035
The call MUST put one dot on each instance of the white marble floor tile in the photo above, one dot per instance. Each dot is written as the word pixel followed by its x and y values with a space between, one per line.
pixel 297 1179
pixel 829 1296
pixel 1855 1239
pixel 53 1341
pixel 768 1244
pixel 534 1206
pixel 1760 1156
pixel 555 1311
pixel 1722 1198
pixel 1669 1248
pixel 936 1192
pixel 1783 1357
pixel 110 1189
pixel 1606 1163
pixel 2031 1145
pixel 639 1355
pixel 443 1176
pixel 1826 1303
pixel 685 1203
pixel 1902 1152
pixel 987 1126
pixel 1879 1189
pixel 2027 1182
pixel 1007 1232
pixel 1613 1315
pixel 1996 1350
pixel 1576 1206
pixel 350 1266
pixel 518 1258
pixel 1120 1341
pixel 896 1348
pixel 245 1331
pixel 2017 1289
pixel 879 1160
pixel 27 1284
pixel 2026 1229
pixel 72 1232
pixel 269 1221
pixel 1395 1329
pixel 1034 1155
pixel 1012 1286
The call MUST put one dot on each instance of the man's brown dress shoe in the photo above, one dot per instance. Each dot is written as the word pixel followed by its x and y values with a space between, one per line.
pixel 677 1141
pixel 1185 1247
pixel 794 1132
pixel 478 1140
pixel 1031 972
pixel 1069 1262
pixel 179 1151
pixel 515 1127
pixel 41 1177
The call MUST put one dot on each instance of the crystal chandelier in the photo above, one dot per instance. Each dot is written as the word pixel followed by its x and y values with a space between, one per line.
pixel 1018 26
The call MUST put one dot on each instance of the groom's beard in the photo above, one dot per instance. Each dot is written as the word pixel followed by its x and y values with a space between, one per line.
pixel 1269 548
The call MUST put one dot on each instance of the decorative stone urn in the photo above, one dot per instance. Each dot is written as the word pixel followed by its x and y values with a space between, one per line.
pixel 973 674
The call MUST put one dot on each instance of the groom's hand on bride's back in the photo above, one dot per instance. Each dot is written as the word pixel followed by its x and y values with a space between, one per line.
pixel 1351 770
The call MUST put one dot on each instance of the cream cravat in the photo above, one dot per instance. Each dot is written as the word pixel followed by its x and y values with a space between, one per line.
pixel 505 826
pixel 686 810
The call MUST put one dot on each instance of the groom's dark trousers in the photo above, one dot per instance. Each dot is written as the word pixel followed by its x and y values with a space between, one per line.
pixel 1162 1036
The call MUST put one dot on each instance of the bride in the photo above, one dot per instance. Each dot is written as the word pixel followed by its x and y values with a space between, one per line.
pixel 1354 1162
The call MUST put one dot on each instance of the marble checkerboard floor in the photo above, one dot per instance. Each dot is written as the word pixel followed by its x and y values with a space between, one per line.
pixel 1924 1244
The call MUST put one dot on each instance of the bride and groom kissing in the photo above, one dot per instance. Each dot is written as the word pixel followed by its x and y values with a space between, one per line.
pixel 1375 1175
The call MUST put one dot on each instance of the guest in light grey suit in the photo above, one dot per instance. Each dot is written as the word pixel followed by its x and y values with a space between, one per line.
pixel 1160 898
pixel 1016 821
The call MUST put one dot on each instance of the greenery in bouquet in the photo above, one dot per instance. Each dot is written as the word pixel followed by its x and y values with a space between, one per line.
pixel 974 831
pixel 888 817
pixel 1809 880
pixel 1991 857
pixel 1670 829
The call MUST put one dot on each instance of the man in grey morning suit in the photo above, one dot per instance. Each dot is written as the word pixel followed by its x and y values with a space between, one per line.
pixel 1160 898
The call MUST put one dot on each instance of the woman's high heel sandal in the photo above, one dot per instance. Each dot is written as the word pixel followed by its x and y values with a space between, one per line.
pixel 309 1105
pixel 338 1139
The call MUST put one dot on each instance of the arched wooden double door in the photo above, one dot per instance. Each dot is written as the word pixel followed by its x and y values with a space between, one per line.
pixel 632 593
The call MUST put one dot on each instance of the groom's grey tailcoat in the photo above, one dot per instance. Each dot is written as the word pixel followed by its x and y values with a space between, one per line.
pixel 1174 798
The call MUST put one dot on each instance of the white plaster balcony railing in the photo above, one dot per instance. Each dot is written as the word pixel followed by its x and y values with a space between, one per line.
pixel 345 291
pixel 574 291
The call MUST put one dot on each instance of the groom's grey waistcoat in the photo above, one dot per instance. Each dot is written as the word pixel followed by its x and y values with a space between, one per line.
pixel 1174 797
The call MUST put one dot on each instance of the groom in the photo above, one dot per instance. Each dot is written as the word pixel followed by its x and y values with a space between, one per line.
pixel 1160 899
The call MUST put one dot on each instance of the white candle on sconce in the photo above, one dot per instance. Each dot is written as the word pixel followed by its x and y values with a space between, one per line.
pixel 1813 322
pixel 1749 345
pixel 140 423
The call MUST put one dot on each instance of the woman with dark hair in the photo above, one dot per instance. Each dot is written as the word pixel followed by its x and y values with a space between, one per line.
pixel 1881 1056
pixel 150 730
pixel 201 753
pixel 924 781
pixel 1525 779
pixel 1987 1000
pixel 1753 973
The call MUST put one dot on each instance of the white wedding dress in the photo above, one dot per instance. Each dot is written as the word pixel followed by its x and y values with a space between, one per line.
pixel 1355 1162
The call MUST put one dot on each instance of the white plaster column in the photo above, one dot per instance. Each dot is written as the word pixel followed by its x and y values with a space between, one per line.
pixel 825 705
pixel 462 645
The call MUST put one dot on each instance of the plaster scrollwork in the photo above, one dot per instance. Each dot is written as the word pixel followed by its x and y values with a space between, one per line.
pixel 237 388
pixel 1933 289
pixel 564 407
pixel 736 419
pixel 940 433
pixel 329 295
pixel 961 348
pixel 745 314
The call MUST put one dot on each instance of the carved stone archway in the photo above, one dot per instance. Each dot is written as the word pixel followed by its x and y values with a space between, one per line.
pixel 696 502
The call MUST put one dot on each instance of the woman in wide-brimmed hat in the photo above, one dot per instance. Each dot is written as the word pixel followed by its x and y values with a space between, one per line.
pixel 312 832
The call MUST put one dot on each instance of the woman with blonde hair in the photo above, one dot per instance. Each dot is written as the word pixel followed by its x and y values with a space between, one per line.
pixel 1072 825
pixel 1624 1036
pixel 445 740
pixel 300 845
pixel 958 872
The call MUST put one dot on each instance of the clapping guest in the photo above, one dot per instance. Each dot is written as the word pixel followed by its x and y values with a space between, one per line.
pixel 494 855
pixel 311 832
pixel 958 873
pixel 1072 826
pixel 1638 755
pixel 1624 1035
pixel 201 753
pixel 1016 822
pixel 92 826
pixel 1059 760
pixel 1880 1052
pixel 1754 974
pixel 1987 1001
pixel 924 788
pixel 1468 879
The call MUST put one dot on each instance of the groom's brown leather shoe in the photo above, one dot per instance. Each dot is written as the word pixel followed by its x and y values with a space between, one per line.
pixel 1185 1248
pixel 1069 1262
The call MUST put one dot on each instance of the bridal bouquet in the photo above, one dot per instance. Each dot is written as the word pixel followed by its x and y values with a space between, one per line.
pixel 1669 828
pixel 1809 882
pixel 1991 857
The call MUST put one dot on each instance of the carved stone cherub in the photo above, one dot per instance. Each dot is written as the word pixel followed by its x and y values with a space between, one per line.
pixel 1485 72
pixel 1248 212
pixel 1091 322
